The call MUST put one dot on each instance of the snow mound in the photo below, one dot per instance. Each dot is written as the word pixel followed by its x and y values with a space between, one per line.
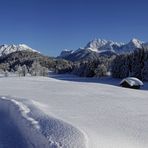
pixel 38 129
pixel 24 112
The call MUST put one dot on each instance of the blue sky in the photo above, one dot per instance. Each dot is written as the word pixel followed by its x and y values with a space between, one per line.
pixel 53 25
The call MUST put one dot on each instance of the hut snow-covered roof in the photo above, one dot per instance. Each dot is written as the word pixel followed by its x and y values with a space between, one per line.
pixel 132 81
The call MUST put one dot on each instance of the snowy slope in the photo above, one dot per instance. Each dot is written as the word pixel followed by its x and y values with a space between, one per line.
pixel 35 128
pixel 7 49
pixel 109 116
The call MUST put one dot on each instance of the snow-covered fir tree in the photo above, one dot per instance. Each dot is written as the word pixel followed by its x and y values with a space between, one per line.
pixel 134 64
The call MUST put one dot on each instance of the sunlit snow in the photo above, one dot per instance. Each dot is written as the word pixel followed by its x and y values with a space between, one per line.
pixel 102 114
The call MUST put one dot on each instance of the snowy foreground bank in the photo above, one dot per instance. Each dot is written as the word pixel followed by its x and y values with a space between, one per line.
pixel 36 129
pixel 66 113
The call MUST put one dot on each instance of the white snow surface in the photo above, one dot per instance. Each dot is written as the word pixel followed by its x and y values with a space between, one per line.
pixel 107 116
pixel 24 111
pixel 37 130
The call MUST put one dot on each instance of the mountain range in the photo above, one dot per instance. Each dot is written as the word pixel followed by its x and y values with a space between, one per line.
pixel 100 47
pixel 91 51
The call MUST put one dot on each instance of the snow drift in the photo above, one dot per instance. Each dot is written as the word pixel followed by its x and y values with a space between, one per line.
pixel 38 129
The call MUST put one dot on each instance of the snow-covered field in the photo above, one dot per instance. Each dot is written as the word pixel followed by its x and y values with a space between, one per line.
pixel 73 112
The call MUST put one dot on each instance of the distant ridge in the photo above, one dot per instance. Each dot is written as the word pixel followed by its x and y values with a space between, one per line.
pixel 7 49
pixel 101 47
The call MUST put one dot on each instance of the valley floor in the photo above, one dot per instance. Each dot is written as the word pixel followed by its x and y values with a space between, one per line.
pixel 107 115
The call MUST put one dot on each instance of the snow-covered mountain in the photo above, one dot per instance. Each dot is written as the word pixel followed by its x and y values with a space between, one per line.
pixel 98 47
pixel 66 52
pixel 7 49
pixel 130 47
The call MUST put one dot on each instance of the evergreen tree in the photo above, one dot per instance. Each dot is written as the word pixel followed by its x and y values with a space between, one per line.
pixel 135 64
